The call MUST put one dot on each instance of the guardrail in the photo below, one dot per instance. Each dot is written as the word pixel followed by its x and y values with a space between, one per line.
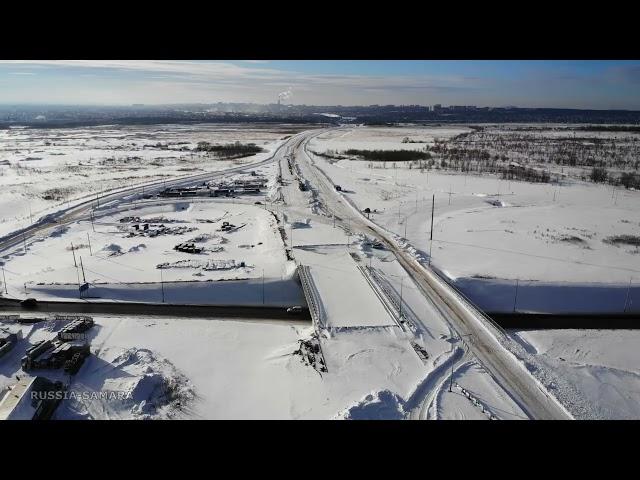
pixel 470 305
pixel 312 296
pixel 408 316
pixel 476 402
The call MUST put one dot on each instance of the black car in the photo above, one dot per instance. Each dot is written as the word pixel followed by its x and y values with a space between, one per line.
pixel 29 303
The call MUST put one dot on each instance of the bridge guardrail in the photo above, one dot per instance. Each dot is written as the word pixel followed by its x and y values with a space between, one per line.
pixel 312 296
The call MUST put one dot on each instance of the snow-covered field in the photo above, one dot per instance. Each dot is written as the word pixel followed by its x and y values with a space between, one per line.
pixel 602 364
pixel 227 369
pixel 492 228
pixel 383 138
pixel 45 169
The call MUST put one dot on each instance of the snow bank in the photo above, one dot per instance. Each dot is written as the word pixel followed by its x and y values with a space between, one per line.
pixel 135 383
pixel 384 405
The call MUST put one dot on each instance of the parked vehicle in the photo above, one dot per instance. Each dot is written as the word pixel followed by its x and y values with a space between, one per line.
pixel 29 303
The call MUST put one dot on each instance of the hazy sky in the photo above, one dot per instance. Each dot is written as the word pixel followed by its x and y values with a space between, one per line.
pixel 567 84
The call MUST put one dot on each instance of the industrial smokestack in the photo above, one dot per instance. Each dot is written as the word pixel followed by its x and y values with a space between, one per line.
pixel 284 95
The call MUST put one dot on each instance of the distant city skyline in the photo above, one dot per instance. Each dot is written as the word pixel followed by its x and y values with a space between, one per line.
pixel 537 84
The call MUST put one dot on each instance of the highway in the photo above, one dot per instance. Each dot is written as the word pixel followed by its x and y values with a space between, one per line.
pixel 8 306
pixel 483 338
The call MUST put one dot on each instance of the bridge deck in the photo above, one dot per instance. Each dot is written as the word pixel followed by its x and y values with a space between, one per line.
pixel 345 297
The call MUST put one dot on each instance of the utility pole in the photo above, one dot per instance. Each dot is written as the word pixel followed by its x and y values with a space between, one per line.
pixel 24 242
pixel 405 227
pixel 401 285
pixel 84 279
pixel 626 300
pixel 74 256
pixel 78 276
pixel 89 240
pixel 433 206
pixel 162 285
pixel 515 300
pixel 4 279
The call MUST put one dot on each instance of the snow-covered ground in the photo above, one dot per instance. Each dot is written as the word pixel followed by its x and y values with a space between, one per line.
pixel 602 364
pixel 42 170
pixel 227 369
pixel 475 396
pixel 121 262
pixel 383 138
pixel 486 228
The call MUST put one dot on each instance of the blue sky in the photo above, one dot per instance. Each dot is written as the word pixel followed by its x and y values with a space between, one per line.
pixel 567 84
